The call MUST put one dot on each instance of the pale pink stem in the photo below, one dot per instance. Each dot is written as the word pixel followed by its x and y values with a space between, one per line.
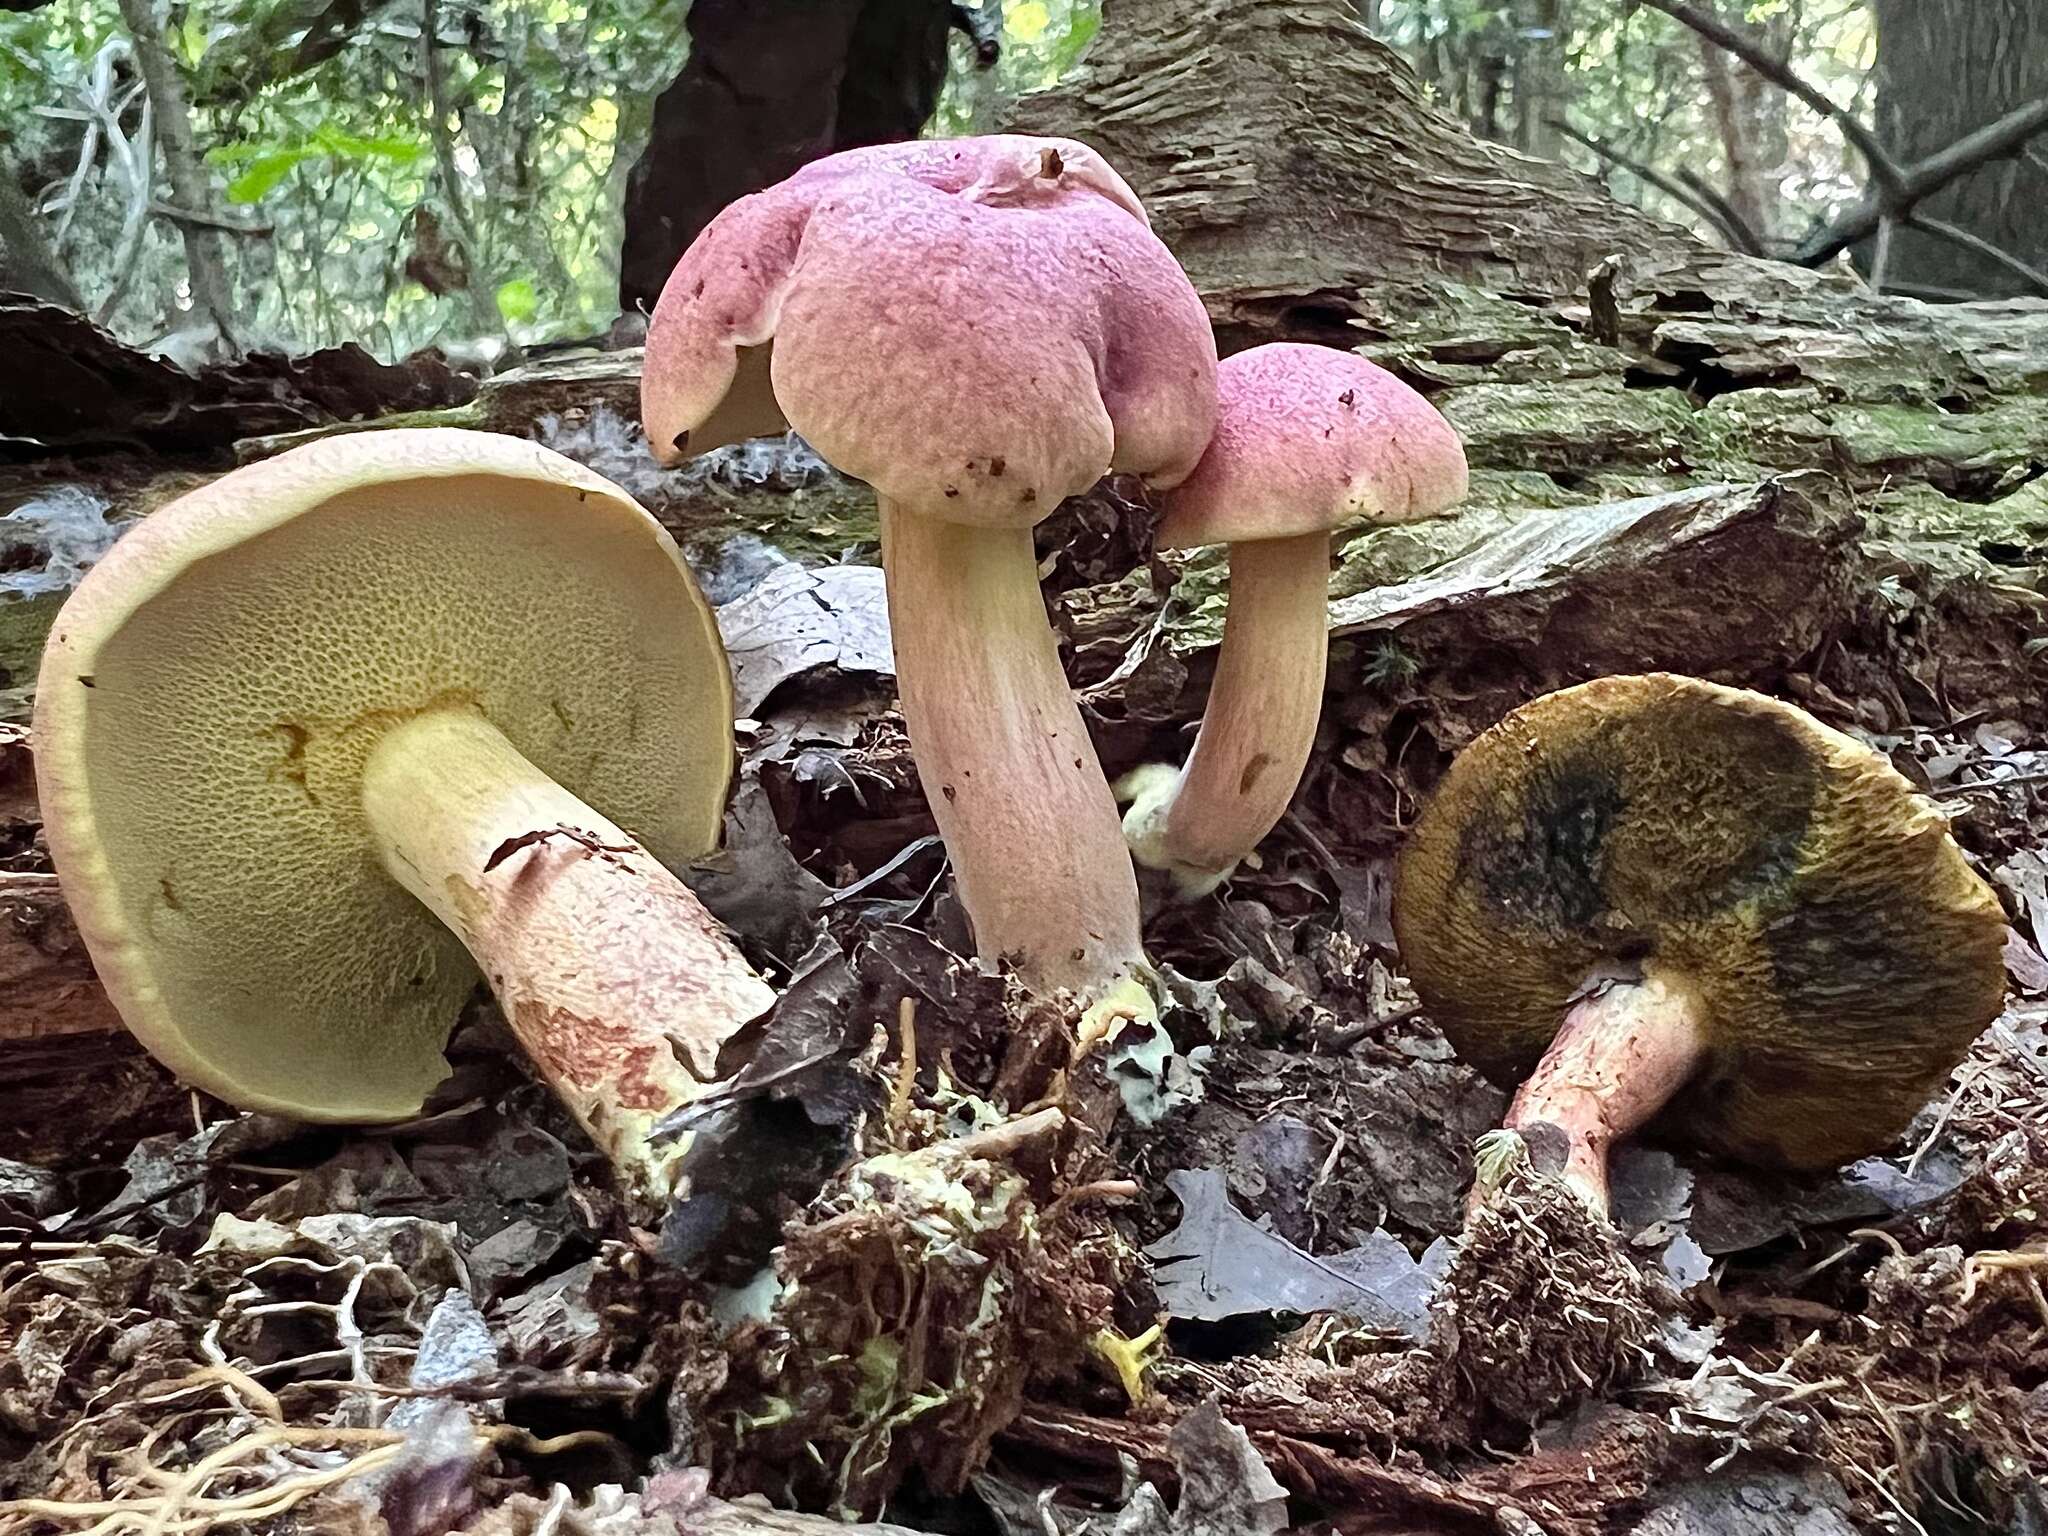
pixel 603 962
pixel 1260 722
pixel 1004 757
pixel 1624 1049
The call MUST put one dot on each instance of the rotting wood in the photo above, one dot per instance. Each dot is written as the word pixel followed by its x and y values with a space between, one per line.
pixel 47 986
pixel 1282 199
pixel 1358 214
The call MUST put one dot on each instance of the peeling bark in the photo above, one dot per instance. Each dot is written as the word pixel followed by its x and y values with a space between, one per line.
pixel 1283 201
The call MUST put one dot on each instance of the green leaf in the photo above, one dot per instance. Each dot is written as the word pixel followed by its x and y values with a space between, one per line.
pixel 191 39
pixel 518 301
pixel 264 173
pixel 239 153
pixel 347 146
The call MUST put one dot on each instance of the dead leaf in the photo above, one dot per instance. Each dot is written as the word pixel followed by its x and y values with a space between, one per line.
pixel 754 884
pixel 1735 1210
pixel 1217 1265
pixel 2025 874
pixel 1750 1500
pixel 1226 1488
pixel 776 1130
pixel 2025 964
pixel 798 619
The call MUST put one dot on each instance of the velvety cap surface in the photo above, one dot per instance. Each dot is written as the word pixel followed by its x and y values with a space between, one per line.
pixel 1308 440
pixel 209 695
pixel 979 328
pixel 1844 952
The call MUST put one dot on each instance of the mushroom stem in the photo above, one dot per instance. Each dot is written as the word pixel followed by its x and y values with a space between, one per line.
pixel 1624 1049
pixel 1004 758
pixel 1258 727
pixel 603 962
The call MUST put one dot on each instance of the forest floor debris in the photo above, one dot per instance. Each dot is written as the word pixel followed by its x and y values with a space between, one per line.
pixel 1862 1351
pixel 249 1321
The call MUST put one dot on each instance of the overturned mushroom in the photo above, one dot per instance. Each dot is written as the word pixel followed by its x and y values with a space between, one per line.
pixel 1308 440
pixel 321 740
pixel 979 328
pixel 1670 904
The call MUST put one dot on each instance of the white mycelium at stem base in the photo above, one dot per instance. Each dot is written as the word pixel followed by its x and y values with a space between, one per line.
pixel 597 954
pixel 1254 741
pixel 979 328
pixel 1308 440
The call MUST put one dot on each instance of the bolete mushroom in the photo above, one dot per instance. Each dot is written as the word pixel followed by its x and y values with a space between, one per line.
pixel 1672 904
pixel 1308 440
pixel 979 328
pixel 321 740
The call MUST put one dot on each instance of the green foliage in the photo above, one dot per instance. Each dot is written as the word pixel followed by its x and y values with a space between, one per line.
pixel 263 166
pixel 316 118
pixel 518 301
pixel 1389 666
pixel 372 218
pixel 397 207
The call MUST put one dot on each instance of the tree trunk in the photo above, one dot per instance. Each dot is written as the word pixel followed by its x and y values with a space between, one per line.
pixel 204 260
pixel 770 85
pixel 1733 90
pixel 1541 94
pixel 1943 70
pixel 27 264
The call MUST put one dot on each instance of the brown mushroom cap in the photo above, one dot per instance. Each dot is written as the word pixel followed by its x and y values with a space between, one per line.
pixel 210 694
pixel 1843 953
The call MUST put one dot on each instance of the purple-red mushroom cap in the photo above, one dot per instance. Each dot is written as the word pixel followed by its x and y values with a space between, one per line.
pixel 979 328
pixel 1311 440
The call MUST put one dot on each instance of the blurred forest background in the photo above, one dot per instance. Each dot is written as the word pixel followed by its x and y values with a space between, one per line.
pixel 203 176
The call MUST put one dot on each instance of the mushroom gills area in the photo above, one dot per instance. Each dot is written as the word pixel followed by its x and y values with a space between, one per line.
pixel 1623 1050
pixel 1006 763
pixel 262 950
pixel 598 955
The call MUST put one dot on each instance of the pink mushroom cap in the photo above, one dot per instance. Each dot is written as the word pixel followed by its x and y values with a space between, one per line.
pixel 1309 440
pixel 979 328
